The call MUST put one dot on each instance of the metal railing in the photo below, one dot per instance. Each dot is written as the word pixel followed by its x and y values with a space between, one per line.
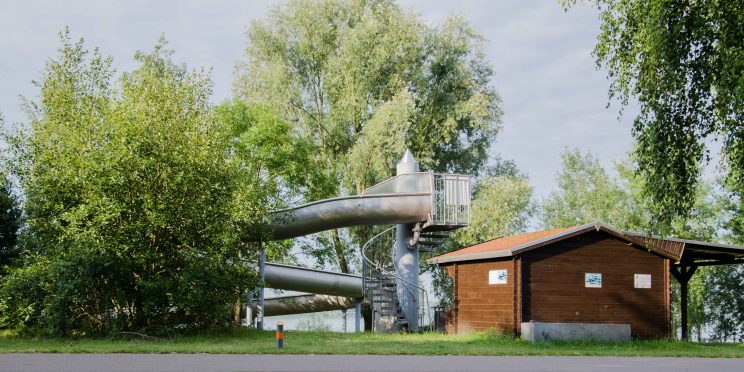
pixel 450 204
pixel 377 257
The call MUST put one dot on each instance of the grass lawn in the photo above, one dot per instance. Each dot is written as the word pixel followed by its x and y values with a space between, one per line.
pixel 242 341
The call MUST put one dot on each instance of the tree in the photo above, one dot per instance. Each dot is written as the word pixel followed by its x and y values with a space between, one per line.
pixel 135 200
pixel 682 61
pixel 10 222
pixel 724 305
pixel 363 80
pixel 585 194
pixel 501 207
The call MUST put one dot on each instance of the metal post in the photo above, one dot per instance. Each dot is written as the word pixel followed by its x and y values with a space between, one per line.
pixel 262 277
pixel 280 335
pixel 358 315
pixel 407 257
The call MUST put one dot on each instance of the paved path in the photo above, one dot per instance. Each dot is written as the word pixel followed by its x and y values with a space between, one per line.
pixel 223 362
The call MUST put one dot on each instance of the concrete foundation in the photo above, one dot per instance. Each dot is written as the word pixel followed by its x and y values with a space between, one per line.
pixel 545 332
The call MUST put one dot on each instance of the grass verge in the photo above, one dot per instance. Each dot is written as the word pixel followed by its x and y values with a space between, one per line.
pixel 242 341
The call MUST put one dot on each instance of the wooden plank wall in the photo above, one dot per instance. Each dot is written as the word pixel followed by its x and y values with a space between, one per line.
pixel 553 287
pixel 479 305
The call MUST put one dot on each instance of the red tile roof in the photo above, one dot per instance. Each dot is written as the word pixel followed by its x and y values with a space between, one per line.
pixel 708 253
pixel 507 242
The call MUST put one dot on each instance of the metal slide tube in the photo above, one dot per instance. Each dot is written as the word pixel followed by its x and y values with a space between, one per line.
pixel 309 303
pixel 312 281
pixel 358 210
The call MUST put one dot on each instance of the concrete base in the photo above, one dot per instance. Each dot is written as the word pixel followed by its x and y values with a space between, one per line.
pixel 544 332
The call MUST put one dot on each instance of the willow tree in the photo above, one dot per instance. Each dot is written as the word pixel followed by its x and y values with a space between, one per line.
pixel 363 80
pixel 682 61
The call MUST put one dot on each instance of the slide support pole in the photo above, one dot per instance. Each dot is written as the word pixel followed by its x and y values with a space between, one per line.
pixel 407 257
pixel 358 315
pixel 262 278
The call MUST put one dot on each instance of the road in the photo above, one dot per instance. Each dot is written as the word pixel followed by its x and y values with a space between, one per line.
pixel 232 362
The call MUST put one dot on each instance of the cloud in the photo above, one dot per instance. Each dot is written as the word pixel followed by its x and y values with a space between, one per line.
pixel 553 95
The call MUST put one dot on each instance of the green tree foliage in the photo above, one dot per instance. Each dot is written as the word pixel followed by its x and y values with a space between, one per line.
pixel 362 80
pixel 585 194
pixel 683 61
pixel 501 207
pixel 724 305
pixel 278 162
pixel 10 222
pixel 135 201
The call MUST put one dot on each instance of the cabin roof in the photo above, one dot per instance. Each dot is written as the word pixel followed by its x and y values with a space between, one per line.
pixel 679 250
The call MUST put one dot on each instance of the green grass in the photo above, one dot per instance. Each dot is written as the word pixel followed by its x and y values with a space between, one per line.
pixel 241 341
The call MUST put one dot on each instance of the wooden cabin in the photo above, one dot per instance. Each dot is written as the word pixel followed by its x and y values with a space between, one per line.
pixel 591 274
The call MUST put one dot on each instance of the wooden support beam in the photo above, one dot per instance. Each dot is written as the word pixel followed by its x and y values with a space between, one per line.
pixel 683 275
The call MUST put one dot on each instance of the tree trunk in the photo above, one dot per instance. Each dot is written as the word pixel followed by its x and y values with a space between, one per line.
pixel 342 261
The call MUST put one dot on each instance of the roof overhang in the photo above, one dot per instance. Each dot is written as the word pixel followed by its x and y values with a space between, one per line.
pixel 578 230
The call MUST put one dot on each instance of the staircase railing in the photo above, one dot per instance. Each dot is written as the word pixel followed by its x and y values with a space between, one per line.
pixel 377 264
pixel 420 294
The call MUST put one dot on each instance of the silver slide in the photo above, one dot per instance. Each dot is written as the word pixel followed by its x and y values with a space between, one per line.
pixel 308 303
pixel 402 199
pixel 438 201
pixel 300 279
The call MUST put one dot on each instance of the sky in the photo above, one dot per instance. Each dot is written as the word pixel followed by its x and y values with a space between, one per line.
pixel 553 95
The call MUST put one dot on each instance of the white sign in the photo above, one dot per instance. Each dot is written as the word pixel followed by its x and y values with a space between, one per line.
pixel 642 281
pixel 497 277
pixel 592 280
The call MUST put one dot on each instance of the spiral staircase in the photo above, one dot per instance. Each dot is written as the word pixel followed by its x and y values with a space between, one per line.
pixel 381 280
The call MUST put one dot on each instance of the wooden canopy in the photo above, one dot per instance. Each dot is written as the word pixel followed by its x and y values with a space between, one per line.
pixel 692 254
pixel 685 255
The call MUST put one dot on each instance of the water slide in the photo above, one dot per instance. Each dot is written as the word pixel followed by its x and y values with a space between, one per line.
pixel 326 290
pixel 301 279
pixel 434 201
pixel 407 198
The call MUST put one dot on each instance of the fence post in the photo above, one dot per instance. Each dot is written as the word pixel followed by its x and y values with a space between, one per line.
pixel 279 335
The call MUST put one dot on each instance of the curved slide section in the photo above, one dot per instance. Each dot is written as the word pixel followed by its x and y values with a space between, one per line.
pixel 312 281
pixel 402 199
pixel 382 209
pixel 309 303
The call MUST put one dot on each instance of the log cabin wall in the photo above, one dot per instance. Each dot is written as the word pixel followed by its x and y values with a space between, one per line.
pixel 554 290
pixel 478 304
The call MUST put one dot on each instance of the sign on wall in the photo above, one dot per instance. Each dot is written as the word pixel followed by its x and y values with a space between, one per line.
pixel 497 277
pixel 592 280
pixel 642 281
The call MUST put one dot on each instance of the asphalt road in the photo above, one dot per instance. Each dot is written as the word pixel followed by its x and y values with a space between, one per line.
pixel 231 362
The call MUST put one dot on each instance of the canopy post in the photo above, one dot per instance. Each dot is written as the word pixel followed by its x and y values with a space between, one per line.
pixel 683 274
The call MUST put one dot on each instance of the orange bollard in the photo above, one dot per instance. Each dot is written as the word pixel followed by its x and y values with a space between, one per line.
pixel 279 335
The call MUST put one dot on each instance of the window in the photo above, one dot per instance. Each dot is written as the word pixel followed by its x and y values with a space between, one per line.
pixel 497 277
pixel 592 280
pixel 642 281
